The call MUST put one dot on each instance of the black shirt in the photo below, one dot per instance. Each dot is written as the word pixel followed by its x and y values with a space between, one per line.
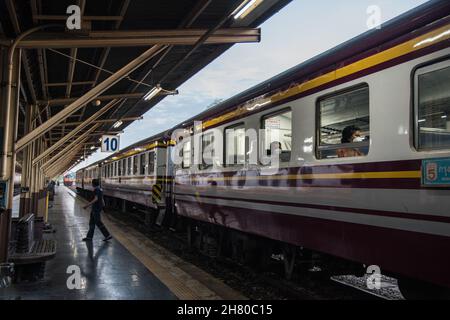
pixel 98 205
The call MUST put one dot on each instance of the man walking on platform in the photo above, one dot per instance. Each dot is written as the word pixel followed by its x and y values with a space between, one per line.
pixel 95 220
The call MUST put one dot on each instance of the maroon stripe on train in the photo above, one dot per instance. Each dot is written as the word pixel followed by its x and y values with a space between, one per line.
pixel 383 213
pixel 381 166
pixel 412 254
pixel 410 184
pixel 403 165
pixel 385 166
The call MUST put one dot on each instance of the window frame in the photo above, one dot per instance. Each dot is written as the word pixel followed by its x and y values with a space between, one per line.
pixel 135 165
pixel 233 126
pixel 202 166
pixel 424 68
pixel 145 163
pixel 317 145
pixel 183 165
pixel 119 168
pixel 129 167
pixel 151 171
pixel 262 119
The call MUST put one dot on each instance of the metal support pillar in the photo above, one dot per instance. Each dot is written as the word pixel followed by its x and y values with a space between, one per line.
pixel 8 135
pixel 27 157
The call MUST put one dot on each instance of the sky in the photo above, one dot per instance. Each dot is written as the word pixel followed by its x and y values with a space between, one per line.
pixel 300 31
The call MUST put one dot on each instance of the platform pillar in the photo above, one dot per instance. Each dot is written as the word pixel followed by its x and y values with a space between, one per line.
pixel 9 105
pixel 25 184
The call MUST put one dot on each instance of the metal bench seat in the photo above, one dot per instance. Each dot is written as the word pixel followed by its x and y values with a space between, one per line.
pixel 41 250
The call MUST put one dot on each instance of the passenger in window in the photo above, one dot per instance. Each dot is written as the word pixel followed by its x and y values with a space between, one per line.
pixel 350 134
pixel 276 149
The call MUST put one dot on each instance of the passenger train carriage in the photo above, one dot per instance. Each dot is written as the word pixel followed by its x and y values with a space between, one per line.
pixel 366 200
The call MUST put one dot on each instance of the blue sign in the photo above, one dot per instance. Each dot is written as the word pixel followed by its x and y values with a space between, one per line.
pixel 436 173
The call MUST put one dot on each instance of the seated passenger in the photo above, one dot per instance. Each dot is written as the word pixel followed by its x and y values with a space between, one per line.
pixel 276 149
pixel 350 134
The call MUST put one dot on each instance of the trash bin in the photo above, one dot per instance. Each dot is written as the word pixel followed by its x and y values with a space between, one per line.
pixel 6 274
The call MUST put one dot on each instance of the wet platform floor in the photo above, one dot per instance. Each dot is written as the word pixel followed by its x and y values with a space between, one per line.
pixel 108 269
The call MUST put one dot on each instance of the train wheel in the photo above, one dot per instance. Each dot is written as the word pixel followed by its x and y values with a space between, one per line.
pixel 412 289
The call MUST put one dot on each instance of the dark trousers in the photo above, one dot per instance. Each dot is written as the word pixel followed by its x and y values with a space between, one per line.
pixel 96 220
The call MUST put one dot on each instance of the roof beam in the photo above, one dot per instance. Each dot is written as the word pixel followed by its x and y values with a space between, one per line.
pixel 89 96
pixel 76 123
pixel 74 144
pixel 63 84
pixel 140 38
pixel 106 51
pixel 65 101
pixel 78 129
pixel 186 23
pixel 49 17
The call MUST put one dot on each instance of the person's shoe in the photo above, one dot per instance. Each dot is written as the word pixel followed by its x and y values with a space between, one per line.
pixel 107 238
pixel 87 239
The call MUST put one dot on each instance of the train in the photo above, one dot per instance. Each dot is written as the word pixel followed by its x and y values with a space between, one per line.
pixel 69 179
pixel 357 134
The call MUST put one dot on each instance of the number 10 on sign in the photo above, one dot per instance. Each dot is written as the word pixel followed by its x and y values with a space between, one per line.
pixel 110 143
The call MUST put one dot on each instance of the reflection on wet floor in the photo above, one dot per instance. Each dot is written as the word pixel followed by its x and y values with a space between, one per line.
pixel 108 270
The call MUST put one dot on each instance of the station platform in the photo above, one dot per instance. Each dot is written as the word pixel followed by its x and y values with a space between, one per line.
pixel 127 267
pixel 108 270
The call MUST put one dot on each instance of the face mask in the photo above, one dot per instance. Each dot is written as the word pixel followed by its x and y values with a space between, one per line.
pixel 358 139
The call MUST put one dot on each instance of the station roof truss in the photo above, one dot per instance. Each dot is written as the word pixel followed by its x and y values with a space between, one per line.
pixel 138 43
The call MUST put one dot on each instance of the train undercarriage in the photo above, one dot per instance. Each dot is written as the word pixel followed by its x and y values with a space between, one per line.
pixel 260 253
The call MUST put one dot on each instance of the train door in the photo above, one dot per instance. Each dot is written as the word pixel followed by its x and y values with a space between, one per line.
pixel 170 181
pixel 159 188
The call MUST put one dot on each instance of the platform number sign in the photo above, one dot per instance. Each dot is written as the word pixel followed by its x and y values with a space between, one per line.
pixel 110 143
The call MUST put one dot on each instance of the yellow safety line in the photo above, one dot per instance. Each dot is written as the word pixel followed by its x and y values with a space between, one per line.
pixel 175 286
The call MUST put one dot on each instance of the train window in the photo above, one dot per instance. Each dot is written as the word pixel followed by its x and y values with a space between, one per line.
pixel 432 96
pixel 135 165
pixel 129 166
pixel 142 163
pixel 278 133
pixel 115 169
pixel 151 162
pixel 122 167
pixel 186 154
pixel 207 151
pixel 344 124
pixel 235 145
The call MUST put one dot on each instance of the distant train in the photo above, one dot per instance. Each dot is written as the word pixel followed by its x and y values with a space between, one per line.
pixel 356 128
pixel 69 179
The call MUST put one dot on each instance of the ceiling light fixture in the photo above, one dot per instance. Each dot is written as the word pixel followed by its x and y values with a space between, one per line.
pixel 153 93
pixel 118 124
pixel 158 90
pixel 242 12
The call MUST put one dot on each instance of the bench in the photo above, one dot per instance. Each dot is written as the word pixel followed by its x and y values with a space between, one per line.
pixel 26 251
